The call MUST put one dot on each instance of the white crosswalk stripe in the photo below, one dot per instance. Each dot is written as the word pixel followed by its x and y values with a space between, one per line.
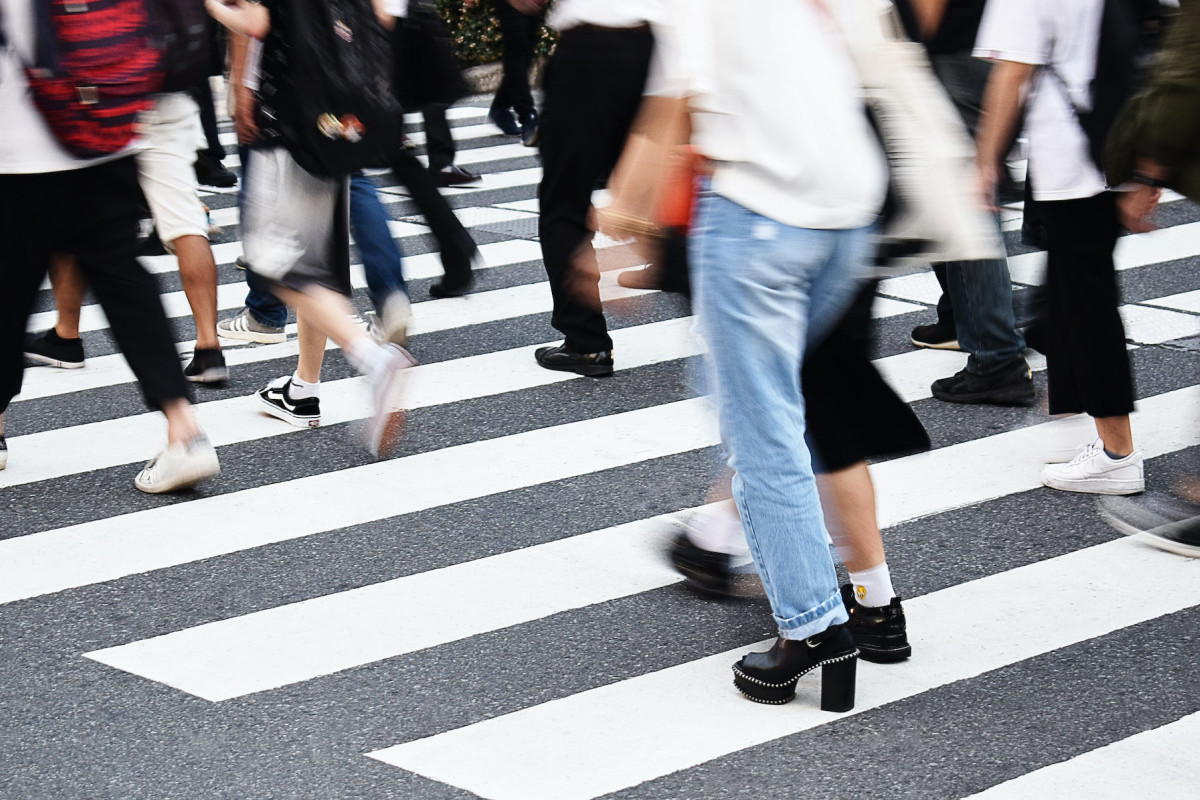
pixel 553 499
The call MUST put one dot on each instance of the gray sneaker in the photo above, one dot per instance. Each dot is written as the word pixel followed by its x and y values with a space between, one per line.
pixel 246 328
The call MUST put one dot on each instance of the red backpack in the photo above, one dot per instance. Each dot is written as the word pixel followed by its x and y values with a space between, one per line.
pixel 94 70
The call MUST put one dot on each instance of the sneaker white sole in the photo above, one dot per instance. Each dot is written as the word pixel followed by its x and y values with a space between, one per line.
pixel 252 336
pixel 386 425
pixel 200 469
pixel 1095 485
pixel 51 362
pixel 210 375
pixel 1179 548
pixel 282 413
pixel 950 345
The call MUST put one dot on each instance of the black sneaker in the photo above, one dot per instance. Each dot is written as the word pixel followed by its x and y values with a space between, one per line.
pixel 880 633
pixel 444 288
pixel 207 366
pixel 938 336
pixel 211 172
pixel 706 571
pixel 1156 518
pixel 1010 385
pixel 594 365
pixel 52 350
pixel 303 413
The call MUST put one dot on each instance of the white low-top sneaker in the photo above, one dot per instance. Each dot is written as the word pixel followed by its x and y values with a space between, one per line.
pixel 178 467
pixel 1093 472
pixel 385 426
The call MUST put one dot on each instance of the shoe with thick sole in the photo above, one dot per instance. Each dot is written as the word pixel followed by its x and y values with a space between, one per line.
pixel 1093 472
pixel 881 633
pixel 246 328
pixel 938 336
pixel 277 401
pixel 180 466
pixel 1011 385
pixel 49 349
pixel 593 365
pixel 1181 538
pixel 706 571
pixel 1134 515
pixel 386 423
pixel 771 677
pixel 207 366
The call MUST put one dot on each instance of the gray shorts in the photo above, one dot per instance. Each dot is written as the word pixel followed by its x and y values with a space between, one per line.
pixel 295 226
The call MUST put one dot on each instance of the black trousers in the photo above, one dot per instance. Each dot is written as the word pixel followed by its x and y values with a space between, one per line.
pixel 455 243
pixel 1086 358
pixel 519 33
pixel 202 94
pixel 593 89
pixel 92 214
pixel 439 142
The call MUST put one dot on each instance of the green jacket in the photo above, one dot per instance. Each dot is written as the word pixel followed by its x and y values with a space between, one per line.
pixel 1162 121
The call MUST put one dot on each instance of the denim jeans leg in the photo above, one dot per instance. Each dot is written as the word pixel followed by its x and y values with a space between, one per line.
pixel 264 306
pixel 379 251
pixel 981 294
pixel 757 285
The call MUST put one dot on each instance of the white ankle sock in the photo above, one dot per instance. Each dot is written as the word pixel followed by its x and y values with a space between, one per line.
pixel 718 528
pixel 368 357
pixel 302 389
pixel 873 587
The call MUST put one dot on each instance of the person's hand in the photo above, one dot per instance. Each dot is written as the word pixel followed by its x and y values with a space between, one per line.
pixel 1135 206
pixel 244 107
pixel 989 179
pixel 528 7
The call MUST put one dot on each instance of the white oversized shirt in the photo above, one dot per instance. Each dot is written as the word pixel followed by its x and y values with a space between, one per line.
pixel 567 14
pixel 1065 34
pixel 777 106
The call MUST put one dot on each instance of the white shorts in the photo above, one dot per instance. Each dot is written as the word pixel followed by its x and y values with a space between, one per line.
pixel 170 132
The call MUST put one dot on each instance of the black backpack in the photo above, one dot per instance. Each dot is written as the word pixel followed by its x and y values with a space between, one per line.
pixel 181 30
pixel 1128 39
pixel 335 108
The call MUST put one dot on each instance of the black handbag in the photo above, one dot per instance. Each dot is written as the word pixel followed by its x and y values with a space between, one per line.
pixel 427 71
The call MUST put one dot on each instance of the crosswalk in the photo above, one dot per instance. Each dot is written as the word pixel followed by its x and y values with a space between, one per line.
pixel 488 613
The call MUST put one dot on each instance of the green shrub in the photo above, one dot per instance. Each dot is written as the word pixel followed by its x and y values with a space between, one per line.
pixel 476 32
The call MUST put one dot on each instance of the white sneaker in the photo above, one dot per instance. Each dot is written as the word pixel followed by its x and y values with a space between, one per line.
pixel 394 317
pixel 246 328
pixel 1093 472
pixel 386 423
pixel 178 467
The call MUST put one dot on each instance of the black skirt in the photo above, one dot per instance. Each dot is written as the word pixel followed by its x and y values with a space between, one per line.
pixel 851 413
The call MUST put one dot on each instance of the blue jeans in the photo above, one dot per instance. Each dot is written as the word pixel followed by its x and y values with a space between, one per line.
pixel 764 292
pixel 380 256
pixel 981 296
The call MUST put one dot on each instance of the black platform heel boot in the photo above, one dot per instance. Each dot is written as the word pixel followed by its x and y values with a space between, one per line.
pixel 880 633
pixel 771 677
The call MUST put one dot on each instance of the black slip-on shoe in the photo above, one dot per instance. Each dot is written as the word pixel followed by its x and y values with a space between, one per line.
pixel 594 365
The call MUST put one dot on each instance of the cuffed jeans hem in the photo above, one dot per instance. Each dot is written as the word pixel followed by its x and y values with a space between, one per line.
pixel 831 612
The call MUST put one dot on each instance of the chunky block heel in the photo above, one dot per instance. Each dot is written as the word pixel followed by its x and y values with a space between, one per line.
pixel 837 685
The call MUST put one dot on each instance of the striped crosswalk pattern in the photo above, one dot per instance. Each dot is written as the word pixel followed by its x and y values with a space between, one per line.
pixel 488 613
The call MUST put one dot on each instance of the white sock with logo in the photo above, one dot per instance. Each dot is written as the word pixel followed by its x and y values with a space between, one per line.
pixel 873 587
pixel 302 389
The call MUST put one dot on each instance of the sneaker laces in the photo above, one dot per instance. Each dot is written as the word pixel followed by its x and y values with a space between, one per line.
pixel 1088 451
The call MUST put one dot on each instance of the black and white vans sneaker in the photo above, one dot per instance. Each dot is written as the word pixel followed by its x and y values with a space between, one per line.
pixel 303 413
pixel 52 350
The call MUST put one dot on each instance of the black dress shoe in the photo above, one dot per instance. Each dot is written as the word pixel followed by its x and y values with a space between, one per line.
pixel 211 172
pixel 445 288
pixel 529 130
pixel 706 571
pixel 771 677
pixel 594 365
pixel 454 175
pixel 503 119
pixel 880 633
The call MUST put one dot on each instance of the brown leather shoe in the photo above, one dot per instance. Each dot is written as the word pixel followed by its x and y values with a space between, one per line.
pixel 649 277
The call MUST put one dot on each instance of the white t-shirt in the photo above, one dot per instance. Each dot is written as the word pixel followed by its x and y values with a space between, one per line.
pixel 1065 33
pixel 26 144
pixel 777 106
pixel 397 8
pixel 567 14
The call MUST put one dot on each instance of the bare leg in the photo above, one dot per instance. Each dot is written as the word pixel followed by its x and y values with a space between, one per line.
pixel 69 285
pixel 848 498
pixel 1116 434
pixel 198 273
pixel 327 312
pixel 312 349
pixel 181 421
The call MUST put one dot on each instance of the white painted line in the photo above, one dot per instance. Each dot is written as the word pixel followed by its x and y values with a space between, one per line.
pixel 165 536
pixel 297 642
pixel 1156 325
pixel 624 734
pixel 1140 250
pixel 1185 301
pixel 522 205
pixel 491 181
pixel 1161 761
pixel 920 287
